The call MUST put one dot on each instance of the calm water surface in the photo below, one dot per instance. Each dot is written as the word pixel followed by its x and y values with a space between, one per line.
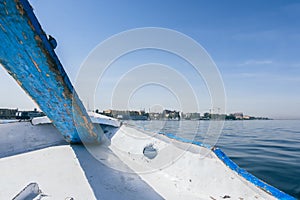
pixel 269 149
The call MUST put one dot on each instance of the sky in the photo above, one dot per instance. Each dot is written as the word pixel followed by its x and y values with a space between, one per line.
pixel 254 44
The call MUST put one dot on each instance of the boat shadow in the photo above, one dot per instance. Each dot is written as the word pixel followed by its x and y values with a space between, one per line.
pixel 21 137
pixel 99 165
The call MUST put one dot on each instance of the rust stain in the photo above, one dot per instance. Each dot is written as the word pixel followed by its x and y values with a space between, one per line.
pixel 67 93
pixel 19 82
pixel 53 65
pixel 31 26
pixel 89 126
pixel 20 8
pixel 85 120
pixel 36 65
pixel 38 38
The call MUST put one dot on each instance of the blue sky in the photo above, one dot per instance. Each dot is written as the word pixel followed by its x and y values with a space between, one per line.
pixel 255 45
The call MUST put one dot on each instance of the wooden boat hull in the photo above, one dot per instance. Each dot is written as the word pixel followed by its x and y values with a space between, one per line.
pixel 28 56
pixel 119 167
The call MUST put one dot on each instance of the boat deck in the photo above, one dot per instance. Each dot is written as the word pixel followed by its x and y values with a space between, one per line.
pixel 39 154
pixel 116 169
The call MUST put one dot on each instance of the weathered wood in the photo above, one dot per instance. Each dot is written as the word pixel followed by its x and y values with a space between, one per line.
pixel 29 58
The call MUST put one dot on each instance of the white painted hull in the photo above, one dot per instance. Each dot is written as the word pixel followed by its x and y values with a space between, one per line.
pixel 117 168
pixel 181 170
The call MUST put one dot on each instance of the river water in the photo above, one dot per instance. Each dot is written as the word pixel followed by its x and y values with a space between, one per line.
pixel 268 149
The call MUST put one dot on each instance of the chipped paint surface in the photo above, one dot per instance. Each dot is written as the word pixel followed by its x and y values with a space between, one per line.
pixel 234 167
pixel 29 58
pixel 249 177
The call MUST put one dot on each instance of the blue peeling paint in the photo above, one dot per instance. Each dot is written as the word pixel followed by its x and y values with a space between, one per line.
pixel 28 57
pixel 249 177
pixel 242 172
pixel 172 136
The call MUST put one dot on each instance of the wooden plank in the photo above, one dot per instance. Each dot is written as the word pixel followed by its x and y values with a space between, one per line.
pixel 29 58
